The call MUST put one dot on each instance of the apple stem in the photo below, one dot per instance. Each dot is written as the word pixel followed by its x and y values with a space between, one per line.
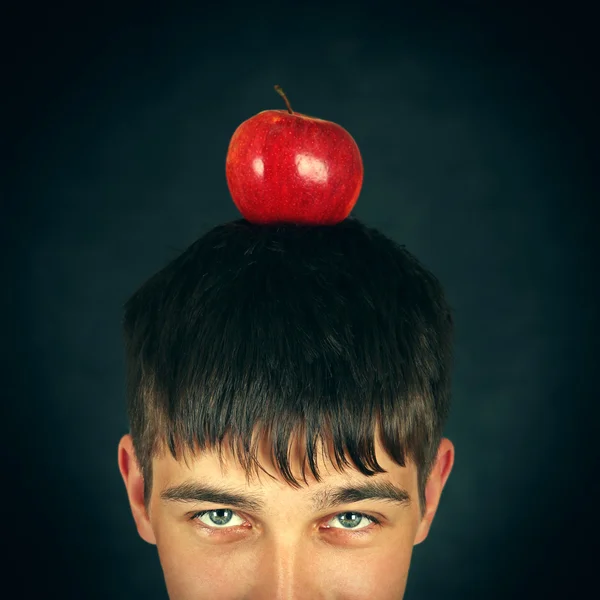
pixel 287 102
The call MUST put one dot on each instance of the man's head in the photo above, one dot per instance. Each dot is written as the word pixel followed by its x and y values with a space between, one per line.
pixel 293 383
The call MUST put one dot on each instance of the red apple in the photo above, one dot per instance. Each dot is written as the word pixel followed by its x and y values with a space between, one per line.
pixel 286 167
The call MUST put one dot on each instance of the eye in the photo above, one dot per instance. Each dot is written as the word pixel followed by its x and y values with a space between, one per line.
pixel 216 518
pixel 354 520
pixel 224 518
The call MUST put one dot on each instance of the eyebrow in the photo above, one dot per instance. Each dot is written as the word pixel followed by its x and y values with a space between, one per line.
pixel 324 499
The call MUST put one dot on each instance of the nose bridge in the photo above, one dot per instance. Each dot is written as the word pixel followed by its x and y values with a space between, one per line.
pixel 284 572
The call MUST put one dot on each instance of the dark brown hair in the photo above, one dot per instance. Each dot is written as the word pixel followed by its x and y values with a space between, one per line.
pixel 283 330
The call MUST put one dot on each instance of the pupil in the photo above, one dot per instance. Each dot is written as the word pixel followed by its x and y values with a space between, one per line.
pixel 353 521
pixel 220 519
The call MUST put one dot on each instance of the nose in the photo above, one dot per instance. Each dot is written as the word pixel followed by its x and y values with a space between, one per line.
pixel 286 573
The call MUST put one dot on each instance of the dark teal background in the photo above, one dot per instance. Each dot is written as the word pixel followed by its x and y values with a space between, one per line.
pixel 477 130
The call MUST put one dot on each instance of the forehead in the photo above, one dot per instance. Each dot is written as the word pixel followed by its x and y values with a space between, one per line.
pixel 206 464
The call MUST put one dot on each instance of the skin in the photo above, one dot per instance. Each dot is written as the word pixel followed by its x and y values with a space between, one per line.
pixel 288 551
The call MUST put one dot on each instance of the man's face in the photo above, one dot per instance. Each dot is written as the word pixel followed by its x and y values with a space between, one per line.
pixel 282 543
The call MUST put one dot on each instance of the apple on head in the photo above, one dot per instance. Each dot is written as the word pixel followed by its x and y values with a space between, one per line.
pixel 287 167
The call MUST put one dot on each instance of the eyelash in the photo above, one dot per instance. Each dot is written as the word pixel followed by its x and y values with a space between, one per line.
pixel 195 518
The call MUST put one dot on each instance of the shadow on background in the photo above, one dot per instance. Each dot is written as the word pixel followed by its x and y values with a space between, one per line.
pixel 476 129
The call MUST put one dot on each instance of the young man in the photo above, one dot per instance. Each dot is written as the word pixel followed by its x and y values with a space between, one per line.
pixel 287 391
